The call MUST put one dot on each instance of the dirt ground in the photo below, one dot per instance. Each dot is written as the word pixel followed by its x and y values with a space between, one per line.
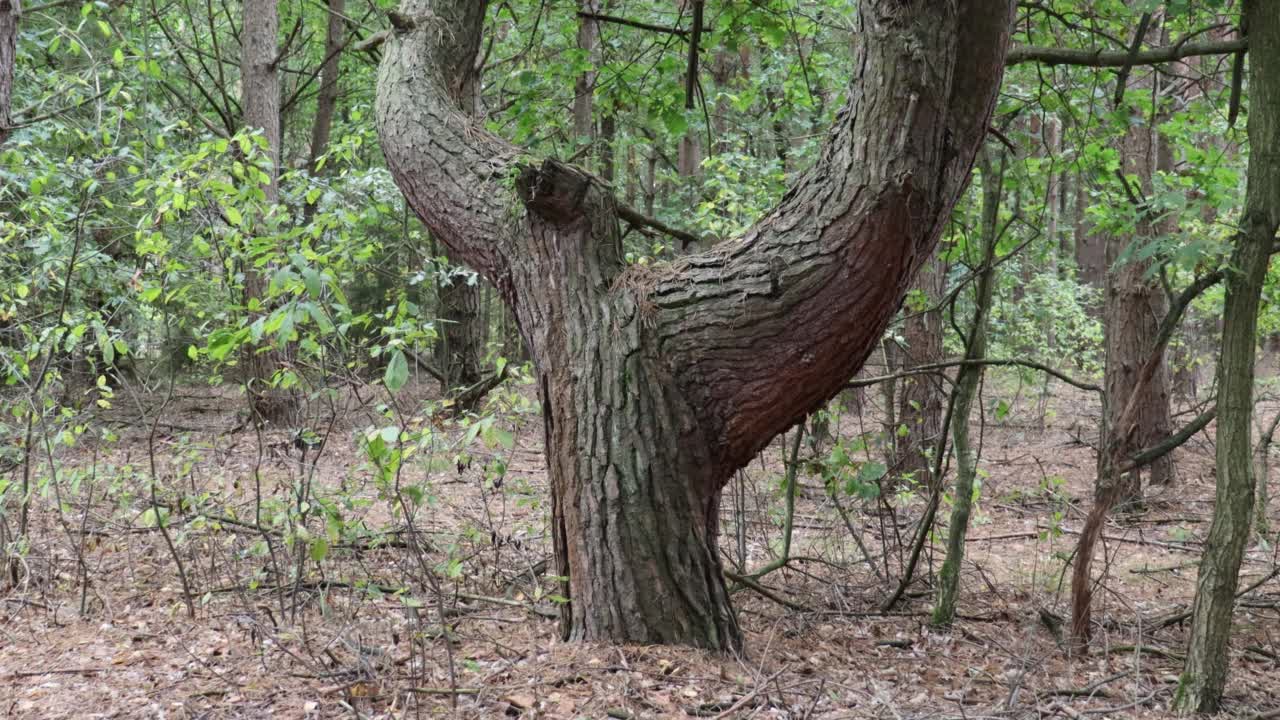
pixel 108 635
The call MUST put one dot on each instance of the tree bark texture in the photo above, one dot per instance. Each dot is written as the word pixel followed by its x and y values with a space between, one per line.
pixel 459 348
pixel 260 100
pixel 658 382
pixel 10 13
pixel 1205 673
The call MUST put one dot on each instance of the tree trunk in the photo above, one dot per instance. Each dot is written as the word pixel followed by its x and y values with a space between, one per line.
pixel 585 85
pixel 1091 261
pixel 327 101
pixel 944 611
pixel 260 90
pixel 1134 308
pixel 10 13
pixel 920 398
pixel 658 382
pixel 1204 676
pixel 459 349
pixel 1135 305
pixel 690 157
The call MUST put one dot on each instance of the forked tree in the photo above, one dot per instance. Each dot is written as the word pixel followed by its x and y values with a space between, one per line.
pixel 657 383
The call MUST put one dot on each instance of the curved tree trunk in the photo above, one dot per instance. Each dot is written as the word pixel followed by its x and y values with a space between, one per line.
pixel 1205 674
pixel 658 382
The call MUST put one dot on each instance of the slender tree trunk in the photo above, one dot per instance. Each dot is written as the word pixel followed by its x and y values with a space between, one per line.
pixel 10 13
pixel 966 390
pixel 608 138
pixel 690 159
pixel 327 101
pixel 260 90
pixel 651 181
pixel 657 383
pixel 585 85
pixel 1261 521
pixel 1204 676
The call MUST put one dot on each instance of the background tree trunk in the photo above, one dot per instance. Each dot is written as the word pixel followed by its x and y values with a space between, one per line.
pixel 10 12
pixel 585 85
pixel 459 348
pixel 327 100
pixel 1135 305
pixel 920 398
pixel 260 91
pixel 1205 674
pixel 1090 252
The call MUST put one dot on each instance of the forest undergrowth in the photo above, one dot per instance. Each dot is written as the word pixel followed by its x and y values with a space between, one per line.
pixel 323 575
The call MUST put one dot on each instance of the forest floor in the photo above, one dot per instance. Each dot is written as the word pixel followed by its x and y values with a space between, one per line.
pixel 98 627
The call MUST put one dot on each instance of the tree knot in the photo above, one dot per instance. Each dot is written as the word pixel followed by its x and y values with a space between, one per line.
pixel 553 191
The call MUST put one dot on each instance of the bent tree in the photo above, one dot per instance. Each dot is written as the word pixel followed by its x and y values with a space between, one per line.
pixel 658 382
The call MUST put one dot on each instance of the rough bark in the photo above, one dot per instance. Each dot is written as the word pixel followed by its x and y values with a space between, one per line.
pixel 459 348
pixel 1205 673
pixel 10 13
pixel 966 392
pixel 260 100
pixel 658 382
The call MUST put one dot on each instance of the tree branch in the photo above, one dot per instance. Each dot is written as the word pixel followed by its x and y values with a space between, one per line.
pixel 640 220
pixel 1122 58
pixel 996 362
pixel 635 23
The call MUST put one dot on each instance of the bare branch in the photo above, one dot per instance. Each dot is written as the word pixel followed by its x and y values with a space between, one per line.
pixel 1122 58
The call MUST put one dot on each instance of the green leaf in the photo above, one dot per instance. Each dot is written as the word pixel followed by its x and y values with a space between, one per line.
pixel 397 372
